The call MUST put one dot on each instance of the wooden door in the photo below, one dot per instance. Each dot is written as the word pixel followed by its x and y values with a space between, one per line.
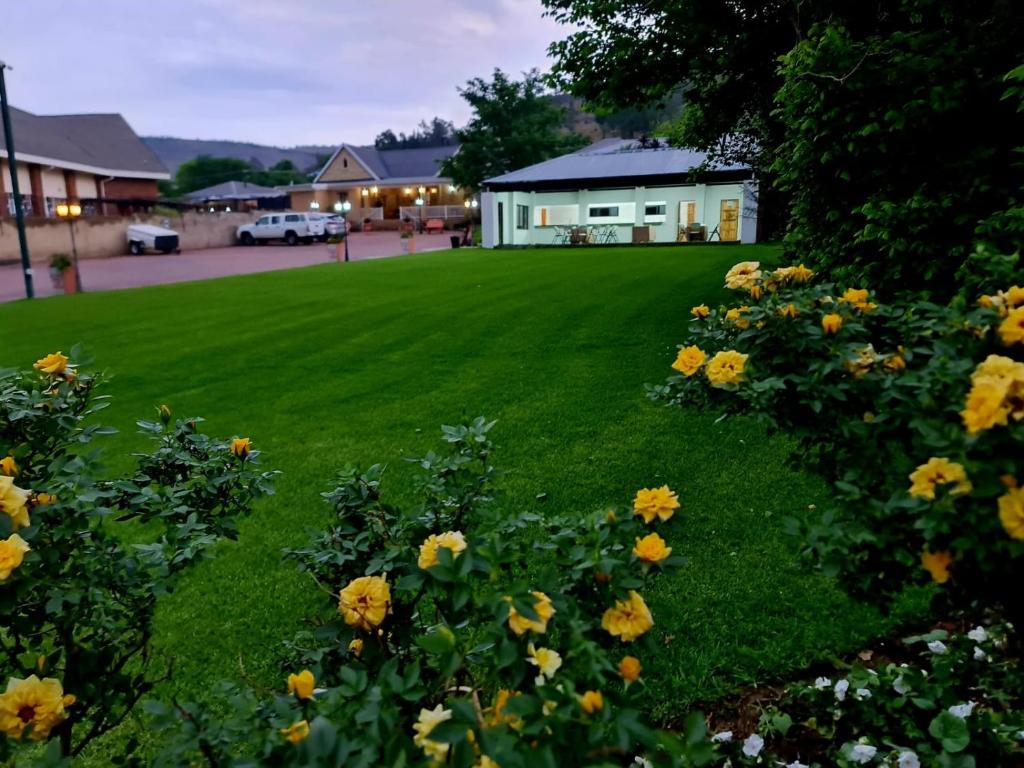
pixel 729 220
pixel 687 212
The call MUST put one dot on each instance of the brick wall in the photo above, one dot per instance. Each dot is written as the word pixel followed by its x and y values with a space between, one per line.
pixel 130 188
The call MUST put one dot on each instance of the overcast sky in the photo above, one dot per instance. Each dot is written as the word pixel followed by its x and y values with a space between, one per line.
pixel 282 72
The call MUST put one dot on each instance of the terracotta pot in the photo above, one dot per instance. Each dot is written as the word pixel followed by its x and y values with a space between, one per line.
pixel 70 281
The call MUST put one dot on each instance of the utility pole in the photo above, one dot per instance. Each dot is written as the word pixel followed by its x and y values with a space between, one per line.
pixel 12 167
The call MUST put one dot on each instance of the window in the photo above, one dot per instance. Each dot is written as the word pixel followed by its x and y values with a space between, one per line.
pixel 275 219
pixel 611 213
pixel 522 217
pixel 604 211
pixel 654 209
pixel 293 217
pixel 344 162
pixel 264 220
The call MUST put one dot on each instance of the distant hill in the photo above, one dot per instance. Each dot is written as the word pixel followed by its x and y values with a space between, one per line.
pixel 173 152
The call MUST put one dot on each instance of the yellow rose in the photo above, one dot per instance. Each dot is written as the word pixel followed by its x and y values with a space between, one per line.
pixel 689 360
pixel 13 503
pixel 936 472
pixel 937 564
pixel 743 275
pixel 1011 512
pixel 240 447
pixel 651 548
pixel 629 668
pixel 12 552
pixel 800 274
pixel 355 646
pixel 628 619
pixel 831 323
pixel 726 367
pixel 296 732
pixel 8 466
pixel 1011 330
pixel 591 702
pixel 545 660
pixel 858 297
pixel 34 703
pixel 365 602
pixel 43 499
pixel 53 364
pixel 894 363
pixel 544 610
pixel 700 311
pixel 652 503
pixel 301 685
pixel 789 311
pixel 735 316
pixel 496 713
pixel 428 720
pixel 755 292
pixel 453 541
pixel 862 364
pixel 986 405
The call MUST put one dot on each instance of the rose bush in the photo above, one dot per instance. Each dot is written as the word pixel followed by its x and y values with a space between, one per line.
pixel 913 412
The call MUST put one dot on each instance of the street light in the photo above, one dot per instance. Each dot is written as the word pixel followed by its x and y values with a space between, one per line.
pixel 343 207
pixel 70 212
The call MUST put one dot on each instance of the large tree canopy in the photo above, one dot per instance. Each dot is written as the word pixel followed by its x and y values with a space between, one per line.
pixel 514 124
pixel 436 133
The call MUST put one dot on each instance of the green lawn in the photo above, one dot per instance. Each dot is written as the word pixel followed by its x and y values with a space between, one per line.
pixel 359 363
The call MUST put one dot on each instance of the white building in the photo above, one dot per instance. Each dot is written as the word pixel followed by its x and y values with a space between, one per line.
pixel 620 190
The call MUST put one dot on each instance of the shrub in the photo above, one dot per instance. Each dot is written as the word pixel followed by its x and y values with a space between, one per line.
pixel 914 412
pixel 78 603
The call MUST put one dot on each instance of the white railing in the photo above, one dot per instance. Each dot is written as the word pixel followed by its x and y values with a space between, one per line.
pixel 446 212
pixel 362 214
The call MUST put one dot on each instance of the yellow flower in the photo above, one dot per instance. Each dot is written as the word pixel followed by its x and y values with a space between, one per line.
pixel 591 702
pixel 241 446
pixel 800 274
pixel 755 292
pixel 894 363
pixel 937 564
pixel 45 498
pixel 544 610
pixel 651 548
pixel 301 685
pixel 453 541
pixel 428 720
pixel 1011 512
pixel 296 732
pixel 628 619
pixel 652 503
pixel 485 762
pixel 735 316
pixel 936 472
pixel 1015 296
pixel 356 646
pixel 862 364
pixel 858 297
pixel 365 602
pixel 1011 330
pixel 12 552
pixel 8 466
pixel 13 503
pixel 53 364
pixel 545 659
pixel 726 367
pixel 986 405
pixel 831 323
pixel 629 668
pixel 743 275
pixel 789 311
pixel 165 413
pixel 496 714
pixel 700 311
pixel 689 360
pixel 32 703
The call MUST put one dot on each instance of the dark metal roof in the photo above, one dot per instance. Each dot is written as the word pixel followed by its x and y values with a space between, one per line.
pixel 616 162
pixel 102 143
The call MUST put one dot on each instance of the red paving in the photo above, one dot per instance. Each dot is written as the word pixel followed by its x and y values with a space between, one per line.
pixel 135 271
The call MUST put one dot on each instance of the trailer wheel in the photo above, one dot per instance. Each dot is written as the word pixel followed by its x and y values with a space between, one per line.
pixel 135 248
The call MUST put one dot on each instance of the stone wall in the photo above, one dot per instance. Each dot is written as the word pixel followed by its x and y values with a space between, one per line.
pixel 100 237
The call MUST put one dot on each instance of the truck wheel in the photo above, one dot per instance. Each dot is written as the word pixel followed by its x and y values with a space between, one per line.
pixel 291 238
pixel 246 239
pixel 135 248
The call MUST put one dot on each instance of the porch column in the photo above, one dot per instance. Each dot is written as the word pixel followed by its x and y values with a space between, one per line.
pixel 35 178
pixel 71 185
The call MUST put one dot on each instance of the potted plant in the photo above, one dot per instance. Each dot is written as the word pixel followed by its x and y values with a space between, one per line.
pixel 338 241
pixel 61 273
pixel 408 241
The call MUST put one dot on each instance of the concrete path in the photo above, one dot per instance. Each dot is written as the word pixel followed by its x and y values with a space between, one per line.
pixel 134 271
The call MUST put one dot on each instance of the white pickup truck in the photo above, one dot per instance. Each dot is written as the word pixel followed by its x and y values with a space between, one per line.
pixel 293 228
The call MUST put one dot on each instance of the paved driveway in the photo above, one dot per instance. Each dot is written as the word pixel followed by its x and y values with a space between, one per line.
pixel 134 271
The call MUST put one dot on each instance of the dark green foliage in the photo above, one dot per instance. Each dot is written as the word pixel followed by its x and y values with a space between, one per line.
pixel 436 133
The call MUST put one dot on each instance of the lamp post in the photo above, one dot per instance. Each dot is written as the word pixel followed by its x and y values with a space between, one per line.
pixel 12 166
pixel 343 207
pixel 419 204
pixel 70 212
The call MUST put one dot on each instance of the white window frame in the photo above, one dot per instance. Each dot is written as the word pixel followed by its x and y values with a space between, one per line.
pixel 655 218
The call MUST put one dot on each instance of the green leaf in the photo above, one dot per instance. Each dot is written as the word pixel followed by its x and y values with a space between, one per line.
pixel 951 731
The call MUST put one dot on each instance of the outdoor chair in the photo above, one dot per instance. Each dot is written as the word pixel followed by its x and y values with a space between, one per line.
pixel 609 235
pixel 434 225
pixel 561 236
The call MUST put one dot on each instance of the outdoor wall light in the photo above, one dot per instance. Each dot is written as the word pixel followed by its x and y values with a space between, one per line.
pixel 475 203
pixel 466 203
pixel 423 190
pixel 373 190
pixel 364 192
pixel 342 206
pixel 452 187
pixel 433 190
pixel 314 205
pixel 407 191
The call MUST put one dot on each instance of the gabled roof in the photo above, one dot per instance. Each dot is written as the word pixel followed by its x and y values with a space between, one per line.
pixel 101 144
pixel 232 190
pixel 397 165
pixel 615 160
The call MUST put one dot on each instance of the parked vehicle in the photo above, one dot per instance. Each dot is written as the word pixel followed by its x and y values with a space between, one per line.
pixel 293 228
pixel 334 224
pixel 147 237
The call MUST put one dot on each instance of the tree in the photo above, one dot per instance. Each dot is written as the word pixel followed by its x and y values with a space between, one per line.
pixel 436 133
pixel 514 124
pixel 205 171
pixel 281 173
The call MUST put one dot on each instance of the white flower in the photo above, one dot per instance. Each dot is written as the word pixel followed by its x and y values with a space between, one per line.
pixel 841 688
pixel 863 753
pixel 908 760
pixel 643 762
pixel 822 683
pixel 900 686
pixel 962 711
pixel 862 693
pixel 797 764
pixel 753 745
pixel 978 635
pixel 979 654
pixel 937 647
pixel 722 737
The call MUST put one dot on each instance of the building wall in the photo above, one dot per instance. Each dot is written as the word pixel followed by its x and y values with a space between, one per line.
pixel 632 203
pixel 53 183
pixel 131 188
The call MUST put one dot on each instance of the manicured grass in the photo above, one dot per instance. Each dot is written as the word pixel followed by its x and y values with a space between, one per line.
pixel 328 365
